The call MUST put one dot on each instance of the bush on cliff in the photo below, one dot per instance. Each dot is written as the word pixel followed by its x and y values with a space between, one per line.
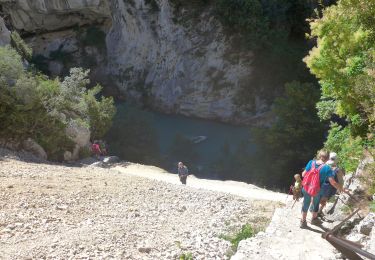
pixel 32 105
pixel 344 63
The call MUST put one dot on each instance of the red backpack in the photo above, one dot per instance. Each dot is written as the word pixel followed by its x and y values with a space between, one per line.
pixel 311 181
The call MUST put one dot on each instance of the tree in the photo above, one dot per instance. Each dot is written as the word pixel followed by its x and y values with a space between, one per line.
pixel 292 140
pixel 344 62
pixel 32 105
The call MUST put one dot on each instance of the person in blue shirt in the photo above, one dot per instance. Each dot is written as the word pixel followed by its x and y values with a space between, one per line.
pixel 327 189
pixel 325 173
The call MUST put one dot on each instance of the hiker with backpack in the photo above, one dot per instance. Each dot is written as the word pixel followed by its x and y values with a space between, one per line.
pixel 183 172
pixel 327 189
pixel 315 174
pixel 95 149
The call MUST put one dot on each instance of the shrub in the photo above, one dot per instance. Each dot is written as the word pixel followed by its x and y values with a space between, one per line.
pixel 349 149
pixel 245 232
pixel 94 37
pixel 100 112
pixel 243 16
pixel 186 256
pixel 61 55
pixel 20 46
pixel 31 105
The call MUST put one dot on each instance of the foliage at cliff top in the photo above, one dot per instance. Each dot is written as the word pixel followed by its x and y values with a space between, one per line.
pixel 32 105
pixel 344 62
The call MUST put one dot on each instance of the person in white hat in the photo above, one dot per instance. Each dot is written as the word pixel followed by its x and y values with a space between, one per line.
pixel 327 189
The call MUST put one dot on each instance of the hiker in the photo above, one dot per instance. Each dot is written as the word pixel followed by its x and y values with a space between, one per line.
pixel 327 189
pixel 297 187
pixel 183 172
pixel 95 149
pixel 103 148
pixel 311 186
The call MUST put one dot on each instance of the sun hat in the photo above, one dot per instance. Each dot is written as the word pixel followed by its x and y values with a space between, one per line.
pixel 332 158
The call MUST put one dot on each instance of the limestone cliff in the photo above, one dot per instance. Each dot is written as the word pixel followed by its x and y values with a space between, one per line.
pixel 48 15
pixel 169 59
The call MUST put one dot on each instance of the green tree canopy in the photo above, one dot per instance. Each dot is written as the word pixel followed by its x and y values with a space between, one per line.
pixel 344 62
pixel 32 105
pixel 292 140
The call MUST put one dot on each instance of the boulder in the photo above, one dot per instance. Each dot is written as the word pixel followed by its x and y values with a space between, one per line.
pixel 4 33
pixel 356 237
pixel 10 144
pixel 111 159
pixel 33 147
pixel 365 226
pixel 68 156
pixel 80 135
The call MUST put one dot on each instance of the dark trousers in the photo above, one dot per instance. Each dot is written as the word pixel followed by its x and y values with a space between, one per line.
pixel 183 179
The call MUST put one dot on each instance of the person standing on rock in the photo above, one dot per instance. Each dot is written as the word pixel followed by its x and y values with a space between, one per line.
pixel 325 173
pixel 183 172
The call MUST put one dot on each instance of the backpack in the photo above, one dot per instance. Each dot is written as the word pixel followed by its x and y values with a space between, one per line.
pixel 311 181
pixel 95 148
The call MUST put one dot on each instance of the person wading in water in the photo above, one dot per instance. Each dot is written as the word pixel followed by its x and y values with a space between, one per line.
pixel 183 172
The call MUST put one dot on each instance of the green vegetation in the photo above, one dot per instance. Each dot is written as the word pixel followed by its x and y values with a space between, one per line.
pixel 348 148
pixel 153 4
pixel 60 55
pixel 93 36
pixel 186 256
pixel 372 206
pixel 344 62
pixel 21 47
pixel 246 232
pixel 285 147
pixel 245 16
pixel 31 105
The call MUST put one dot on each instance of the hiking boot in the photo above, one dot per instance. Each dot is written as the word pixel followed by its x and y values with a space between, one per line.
pixel 316 222
pixel 303 224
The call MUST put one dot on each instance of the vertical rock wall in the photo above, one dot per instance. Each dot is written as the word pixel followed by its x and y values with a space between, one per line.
pixel 175 61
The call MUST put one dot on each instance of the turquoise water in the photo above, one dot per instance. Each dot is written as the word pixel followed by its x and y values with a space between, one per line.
pixel 222 139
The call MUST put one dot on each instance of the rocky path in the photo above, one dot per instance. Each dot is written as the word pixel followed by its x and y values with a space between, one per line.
pixel 284 240
pixel 60 212
pixel 232 187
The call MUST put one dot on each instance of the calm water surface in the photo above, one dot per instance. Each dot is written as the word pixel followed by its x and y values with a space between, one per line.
pixel 167 127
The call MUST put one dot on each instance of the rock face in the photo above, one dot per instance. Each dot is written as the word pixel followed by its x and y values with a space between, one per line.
pixel 173 60
pixel 4 33
pixel 175 68
pixel 48 15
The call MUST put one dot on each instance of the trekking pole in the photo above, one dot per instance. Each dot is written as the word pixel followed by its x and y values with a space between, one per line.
pixel 294 203
pixel 290 189
pixel 330 212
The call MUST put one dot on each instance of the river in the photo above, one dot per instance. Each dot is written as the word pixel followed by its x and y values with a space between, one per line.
pixel 144 136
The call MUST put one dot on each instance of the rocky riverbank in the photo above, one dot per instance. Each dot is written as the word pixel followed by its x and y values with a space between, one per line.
pixel 62 212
